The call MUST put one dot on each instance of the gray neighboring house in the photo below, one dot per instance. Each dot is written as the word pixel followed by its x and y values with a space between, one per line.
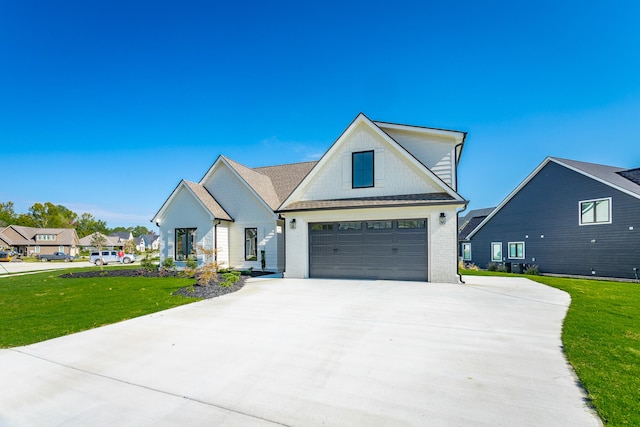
pixel 466 225
pixel 111 242
pixel 567 217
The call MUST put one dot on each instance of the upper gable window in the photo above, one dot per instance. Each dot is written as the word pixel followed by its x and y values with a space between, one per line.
pixel 362 169
pixel 595 211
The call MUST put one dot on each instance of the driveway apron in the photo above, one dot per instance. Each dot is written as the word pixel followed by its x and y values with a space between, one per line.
pixel 310 353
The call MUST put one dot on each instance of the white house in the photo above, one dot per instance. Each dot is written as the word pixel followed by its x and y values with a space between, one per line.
pixel 381 203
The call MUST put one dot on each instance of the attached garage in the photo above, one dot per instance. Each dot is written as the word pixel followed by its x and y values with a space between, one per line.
pixel 381 249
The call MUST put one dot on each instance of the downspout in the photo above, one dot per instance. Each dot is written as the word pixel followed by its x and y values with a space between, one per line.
pixel 458 213
pixel 215 240
pixel 458 243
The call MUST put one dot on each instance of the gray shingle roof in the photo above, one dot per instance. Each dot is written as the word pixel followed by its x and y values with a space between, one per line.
pixel 64 236
pixel 608 174
pixel 471 220
pixel 260 183
pixel 208 201
pixel 632 175
pixel 285 178
pixel 381 201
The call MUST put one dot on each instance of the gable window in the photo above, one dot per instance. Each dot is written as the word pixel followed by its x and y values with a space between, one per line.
pixel 362 169
pixel 595 211
pixel 516 250
pixel 466 251
pixel 251 244
pixel 185 244
pixel 496 251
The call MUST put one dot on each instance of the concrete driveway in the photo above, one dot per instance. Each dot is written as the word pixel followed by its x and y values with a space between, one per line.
pixel 310 353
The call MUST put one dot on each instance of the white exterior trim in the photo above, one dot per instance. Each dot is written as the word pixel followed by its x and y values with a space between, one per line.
pixel 609 199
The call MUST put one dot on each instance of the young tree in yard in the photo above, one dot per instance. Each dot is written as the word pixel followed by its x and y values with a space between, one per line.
pixel 130 246
pixel 98 241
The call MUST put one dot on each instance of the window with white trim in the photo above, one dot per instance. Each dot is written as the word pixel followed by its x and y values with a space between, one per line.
pixel 516 250
pixel 466 251
pixel 496 251
pixel 597 211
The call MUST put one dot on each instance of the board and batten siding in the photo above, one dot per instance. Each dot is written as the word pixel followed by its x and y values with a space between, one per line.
pixel 545 215
pixel 431 151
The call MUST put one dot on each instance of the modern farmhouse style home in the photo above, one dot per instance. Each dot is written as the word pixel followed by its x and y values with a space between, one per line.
pixel 381 203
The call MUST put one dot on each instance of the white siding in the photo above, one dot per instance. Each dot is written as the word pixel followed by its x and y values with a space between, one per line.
pixel 223 244
pixel 394 174
pixel 267 241
pixel 442 239
pixel 435 153
pixel 184 212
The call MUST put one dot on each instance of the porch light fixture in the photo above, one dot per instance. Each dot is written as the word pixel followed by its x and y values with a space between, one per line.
pixel 292 224
pixel 443 218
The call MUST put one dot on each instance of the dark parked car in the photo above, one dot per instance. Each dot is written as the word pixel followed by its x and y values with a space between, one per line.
pixel 56 256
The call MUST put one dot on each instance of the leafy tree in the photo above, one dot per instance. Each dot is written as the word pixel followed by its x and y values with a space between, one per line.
pixel 7 214
pixel 139 231
pixel 119 229
pixel 87 224
pixel 130 246
pixel 49 215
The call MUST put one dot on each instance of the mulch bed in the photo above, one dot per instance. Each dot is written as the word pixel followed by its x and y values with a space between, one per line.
pixel 195 291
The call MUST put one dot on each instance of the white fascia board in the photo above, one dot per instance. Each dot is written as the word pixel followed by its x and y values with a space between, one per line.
pixel 454 135
pixel 510 196
pixel 169 202
pixel 158 216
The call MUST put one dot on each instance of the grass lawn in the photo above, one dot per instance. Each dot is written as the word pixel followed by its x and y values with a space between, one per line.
pixel 37 307
pixel 601 337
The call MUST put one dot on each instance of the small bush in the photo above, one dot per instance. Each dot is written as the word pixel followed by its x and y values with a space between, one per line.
pixel 191 265
pixel 230 278
pixel 501 268
pixel 492 266
pixel 471 266
pixel 147 264
pixel 532 270
pixel 168 263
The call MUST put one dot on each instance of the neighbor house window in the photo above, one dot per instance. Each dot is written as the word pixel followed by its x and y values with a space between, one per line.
pixel 362 168
pixel 185 243
pixel 466 251
pixel 251 244
pixel 496 251
pixel 595 211
pixel 37 249
pixel 516 250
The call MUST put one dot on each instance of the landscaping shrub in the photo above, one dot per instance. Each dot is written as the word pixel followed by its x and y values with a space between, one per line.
pixel 532 270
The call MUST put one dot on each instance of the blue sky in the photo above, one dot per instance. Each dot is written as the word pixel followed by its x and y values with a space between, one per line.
pixel 106 105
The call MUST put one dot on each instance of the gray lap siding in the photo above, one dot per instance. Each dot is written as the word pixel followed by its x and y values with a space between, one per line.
pixel 548 206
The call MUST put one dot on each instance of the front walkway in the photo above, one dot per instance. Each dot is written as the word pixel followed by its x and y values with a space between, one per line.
pixel 312 353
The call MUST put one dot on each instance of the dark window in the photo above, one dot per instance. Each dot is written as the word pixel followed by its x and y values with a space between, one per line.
pixel 595 212
pixel 321 227
pixel 362 168
pixel 185 243
pixel 380 225
pixel 251 244
pixel 412 223
pixel 350 226
pixel 516 250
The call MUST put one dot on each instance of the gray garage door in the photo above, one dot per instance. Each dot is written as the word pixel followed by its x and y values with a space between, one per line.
pixel 393 250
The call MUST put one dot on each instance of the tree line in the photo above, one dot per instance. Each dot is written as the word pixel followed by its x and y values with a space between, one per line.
pixel 48 215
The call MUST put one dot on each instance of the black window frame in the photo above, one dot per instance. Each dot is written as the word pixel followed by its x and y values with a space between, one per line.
pixel 247 255
pixel 362 170
pixel 190 245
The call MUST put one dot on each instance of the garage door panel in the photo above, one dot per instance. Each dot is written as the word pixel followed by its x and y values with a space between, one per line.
pixel 375 250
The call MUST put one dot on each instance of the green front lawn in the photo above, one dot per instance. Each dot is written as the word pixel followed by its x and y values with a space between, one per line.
pixel 37 307
pixel 601 337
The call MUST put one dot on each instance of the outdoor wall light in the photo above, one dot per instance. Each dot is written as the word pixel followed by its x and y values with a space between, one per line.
pixel 443 218
pixel 292 224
